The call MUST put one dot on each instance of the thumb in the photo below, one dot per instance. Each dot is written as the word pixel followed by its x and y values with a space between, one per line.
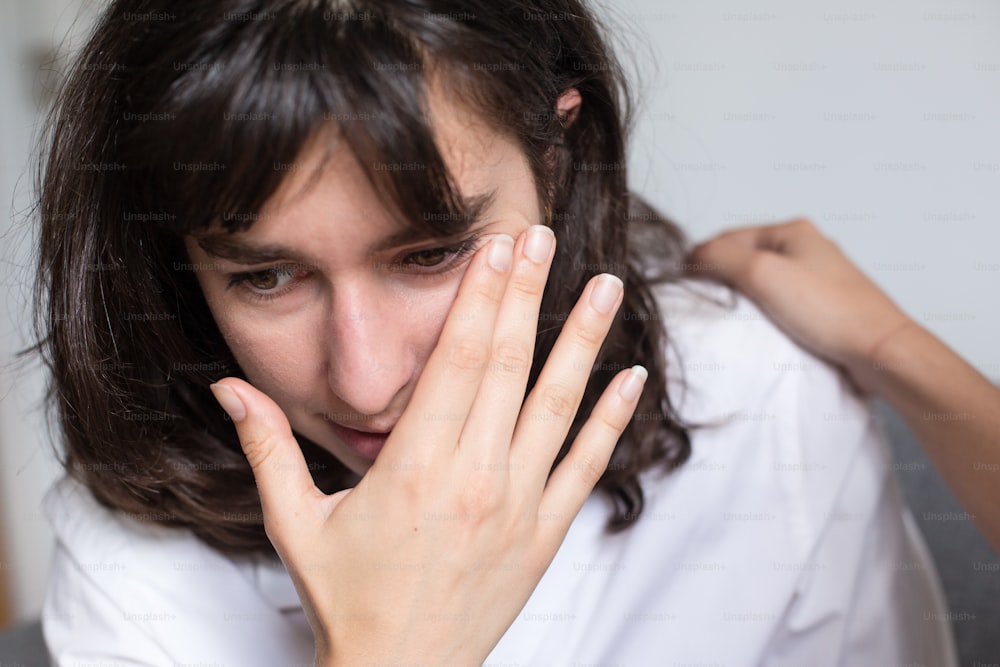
pixel 279 468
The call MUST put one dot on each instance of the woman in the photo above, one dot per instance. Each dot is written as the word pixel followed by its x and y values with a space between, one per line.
pixel 388 236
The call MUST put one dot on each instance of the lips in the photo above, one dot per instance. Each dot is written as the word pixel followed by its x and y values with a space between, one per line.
pixel 366 444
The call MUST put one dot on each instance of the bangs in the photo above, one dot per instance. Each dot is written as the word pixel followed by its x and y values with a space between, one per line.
pixel 216 144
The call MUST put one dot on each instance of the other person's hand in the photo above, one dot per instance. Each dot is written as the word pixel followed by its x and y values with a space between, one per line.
pixel 802 280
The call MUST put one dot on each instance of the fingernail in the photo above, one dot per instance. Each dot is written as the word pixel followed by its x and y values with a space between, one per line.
pixel 604 298
pixel 229 401
pixel 539 243
pixel 501 252
pixel 632 385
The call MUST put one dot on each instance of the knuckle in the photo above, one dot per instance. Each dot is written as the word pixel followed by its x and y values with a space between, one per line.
pixel 511 357
pixel 589 337
pixel 559 401
pixel 526 287
pixel 467 356
pixel 490 291
pixel 481 496
pixel 589 467
pixel 757 267
pixel 258 450
pixel 613 422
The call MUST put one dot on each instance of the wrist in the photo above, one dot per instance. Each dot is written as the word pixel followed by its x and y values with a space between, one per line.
pixel 889 357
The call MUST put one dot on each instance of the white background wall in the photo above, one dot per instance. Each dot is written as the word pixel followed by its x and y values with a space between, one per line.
pixel 880 120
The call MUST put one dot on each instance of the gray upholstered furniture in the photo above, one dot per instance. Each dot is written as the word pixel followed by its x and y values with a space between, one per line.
pixel 968 567
pixel 969 570
pixel 23 646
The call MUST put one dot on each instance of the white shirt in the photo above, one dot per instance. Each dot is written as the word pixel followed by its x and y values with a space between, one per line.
pixel 782 541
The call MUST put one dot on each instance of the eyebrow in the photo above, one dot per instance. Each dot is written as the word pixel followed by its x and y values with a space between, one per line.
pixel 224 246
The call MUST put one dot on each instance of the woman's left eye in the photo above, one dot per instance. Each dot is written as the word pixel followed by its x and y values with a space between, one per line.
pixel 443 257
pixel 273 282
pixel 431 257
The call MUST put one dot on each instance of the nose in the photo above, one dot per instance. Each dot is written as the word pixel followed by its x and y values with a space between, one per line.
pixel 369 359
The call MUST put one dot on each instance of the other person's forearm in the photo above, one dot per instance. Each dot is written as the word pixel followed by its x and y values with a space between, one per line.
pixel 809 288
pixel 952 409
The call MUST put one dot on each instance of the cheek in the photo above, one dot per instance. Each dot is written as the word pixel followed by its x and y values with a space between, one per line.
pixel 422 315
pixel 279 357
pixel 287 356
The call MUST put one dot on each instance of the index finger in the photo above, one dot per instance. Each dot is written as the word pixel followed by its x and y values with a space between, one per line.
pixel 449 382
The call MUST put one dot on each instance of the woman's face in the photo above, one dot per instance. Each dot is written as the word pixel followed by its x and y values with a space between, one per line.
pixel 327 304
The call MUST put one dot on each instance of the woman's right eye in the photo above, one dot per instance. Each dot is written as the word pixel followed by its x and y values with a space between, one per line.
pixel 266 283
pixel 264 280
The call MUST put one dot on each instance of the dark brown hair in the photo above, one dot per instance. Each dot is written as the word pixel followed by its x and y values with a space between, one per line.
pixel 175 117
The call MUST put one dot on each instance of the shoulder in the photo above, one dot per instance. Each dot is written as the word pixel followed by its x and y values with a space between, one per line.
pixel 119 583
pixel 727 362
pixel 724 352
pixel 113 547
pixel 764 410
pixel 96 534
pixel 135 566
pixel 697 312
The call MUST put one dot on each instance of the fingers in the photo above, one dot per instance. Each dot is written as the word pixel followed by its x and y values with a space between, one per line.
pixel 733 256
pixel 283 479
pixel 725 256
pixel 551 407
pixel 450 380
pixel 501 393
pixel 575 476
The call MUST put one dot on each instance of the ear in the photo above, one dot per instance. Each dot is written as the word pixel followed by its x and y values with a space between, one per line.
pixel 568 105
pixel 567 109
